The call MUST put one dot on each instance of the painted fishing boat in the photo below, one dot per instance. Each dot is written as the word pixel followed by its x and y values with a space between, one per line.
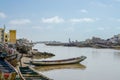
pixel 11 57
pixel 59 62
pixel 28 73
pixel 7 71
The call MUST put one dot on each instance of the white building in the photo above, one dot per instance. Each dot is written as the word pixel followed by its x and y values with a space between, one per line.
pixel 1 35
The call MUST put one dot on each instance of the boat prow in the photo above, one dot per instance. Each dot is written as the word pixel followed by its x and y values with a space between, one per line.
pixel 27 73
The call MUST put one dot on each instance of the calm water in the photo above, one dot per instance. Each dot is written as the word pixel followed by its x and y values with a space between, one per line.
pixel 101 64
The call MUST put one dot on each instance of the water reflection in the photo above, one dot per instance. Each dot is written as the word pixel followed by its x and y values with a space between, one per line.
pixel 117 55
pixel 54 67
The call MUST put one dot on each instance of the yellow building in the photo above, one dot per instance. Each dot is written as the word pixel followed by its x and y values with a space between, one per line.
pixel 1 35
pixel 12 37
pixel 6 37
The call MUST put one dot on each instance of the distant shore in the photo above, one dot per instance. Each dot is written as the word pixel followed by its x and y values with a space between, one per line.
pixel 84 45
pixel 95 42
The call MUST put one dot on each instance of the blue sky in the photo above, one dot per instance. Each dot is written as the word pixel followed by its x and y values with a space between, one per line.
pixel 44 20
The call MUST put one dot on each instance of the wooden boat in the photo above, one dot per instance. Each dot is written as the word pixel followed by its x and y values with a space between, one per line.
pixel 27 73
pixel 7 71
pixel 11 57
pixel 59 62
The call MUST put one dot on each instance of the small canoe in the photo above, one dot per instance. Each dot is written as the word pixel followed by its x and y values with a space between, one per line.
pixel 59 62
pixel 27 73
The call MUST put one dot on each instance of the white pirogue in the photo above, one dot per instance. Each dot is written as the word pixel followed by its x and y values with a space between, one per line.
pixel 59 62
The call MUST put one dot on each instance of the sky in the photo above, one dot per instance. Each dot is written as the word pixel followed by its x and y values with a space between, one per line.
pixel 59 20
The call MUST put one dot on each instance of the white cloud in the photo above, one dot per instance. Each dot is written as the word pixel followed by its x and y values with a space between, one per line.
pixel 82 20
pixel 70 29
pixel 2 15
pixel 83 11
pixel 118 27
pixel 101 28
pixel 49 27
pixel 117 0
pixel 100 4
pixel 19 21
pixel 38 27
pixel 55 19
pixel 42 27
pixel 118 20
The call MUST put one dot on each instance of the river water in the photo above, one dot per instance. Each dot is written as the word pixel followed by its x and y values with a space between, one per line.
pixel 101 64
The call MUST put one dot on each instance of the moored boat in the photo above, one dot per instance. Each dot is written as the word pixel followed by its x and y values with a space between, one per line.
pixel 11 57
pixel 7 71
pixel 27 73
pixel 59 62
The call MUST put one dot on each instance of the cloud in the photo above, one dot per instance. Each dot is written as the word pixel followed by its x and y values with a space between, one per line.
pixel 118 28
pixel 83 11
pixel 118 20
pixel 100 4
pixel 69 29
pixel 82 20
pixel 19 22
pixel 101 28
pixel 55 19
pixel 38 27
pixel 117 0
pixel 42 27
pixel 2 15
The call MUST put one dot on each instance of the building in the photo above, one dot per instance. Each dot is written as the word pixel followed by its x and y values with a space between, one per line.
pixel 6 37
pixel 2 35
pixel 97 40
pixel 12 37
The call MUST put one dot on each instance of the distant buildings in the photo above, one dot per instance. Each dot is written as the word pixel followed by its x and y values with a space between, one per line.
pixel 7 37
pixel 97 42
pixel 115 39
